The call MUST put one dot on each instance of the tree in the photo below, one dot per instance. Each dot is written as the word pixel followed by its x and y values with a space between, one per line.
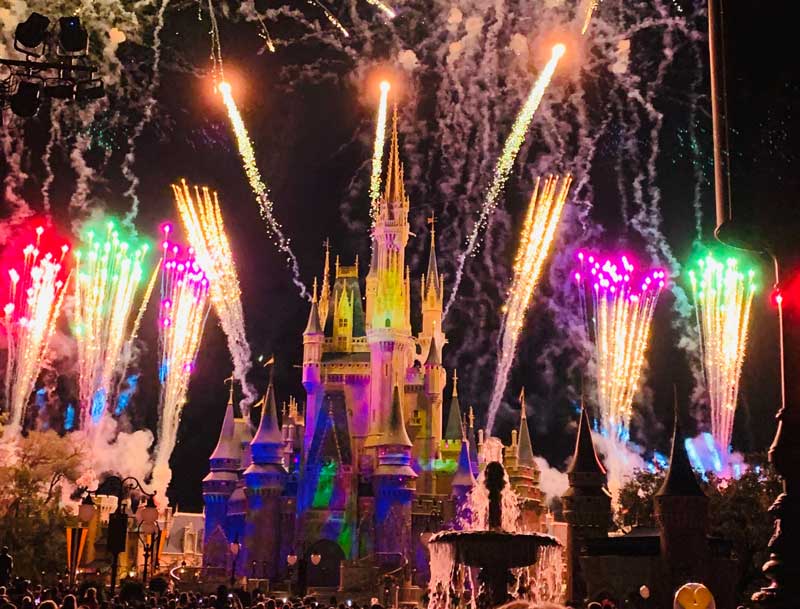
pixel 32 516
pixel 737 513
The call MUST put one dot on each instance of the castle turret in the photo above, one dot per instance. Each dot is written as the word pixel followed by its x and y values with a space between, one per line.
pixel 313 344
pixel 432 294
pixel 451 439
pixel 463 479
pixel 394 484
pixel 681 510
pixel 524 474
pixel 587 505
pixel 264 481
pixel 388 316
pixel 221 480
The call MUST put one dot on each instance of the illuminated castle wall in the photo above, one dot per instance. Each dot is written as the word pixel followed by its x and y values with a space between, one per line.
pixel 372 463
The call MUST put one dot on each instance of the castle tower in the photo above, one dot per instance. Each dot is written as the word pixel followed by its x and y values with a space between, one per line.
pixel 524 473
pixel 313 343
pixel 432 293
pixel 394 483
pixel 681 510
pixel 264 481
pixel 221 480
pixel 388 315
pixel 451 439
pixel 463 479
pixel 343 315
pixel 587 505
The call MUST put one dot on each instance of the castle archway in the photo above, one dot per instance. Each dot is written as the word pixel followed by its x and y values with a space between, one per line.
pixel 326 573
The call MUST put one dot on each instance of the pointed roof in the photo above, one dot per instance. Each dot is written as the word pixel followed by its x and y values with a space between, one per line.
pixel 432 278
pixel 395 188
pixel 452 430
pixel 681 480
pixel 313 326
pixel 395 433
pixel 585 459
pixel 463 477
pixel 228 448
pixel 433 359
pixel 324 299
pixel 524 446
pixel 269 432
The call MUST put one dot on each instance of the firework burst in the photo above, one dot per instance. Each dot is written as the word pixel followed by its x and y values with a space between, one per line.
pixel 202 220
pixel 541 221
pixel 619 304
pixel 182 317
pixel 108 274
pixel 723 296
pixel 37 278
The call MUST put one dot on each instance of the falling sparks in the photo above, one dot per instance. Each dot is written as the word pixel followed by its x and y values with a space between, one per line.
pixel 331 18
pixel 109 271
pixel 35 294
pixel 590 9
pixel 182 316
pixel 506 162
pixel 257 184
pixel 377 153
pixel 541 221
pixel 202 220
pixel 723 296
pixel 620 308
pixel 384 8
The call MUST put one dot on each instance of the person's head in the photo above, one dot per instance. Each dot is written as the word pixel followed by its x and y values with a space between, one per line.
pixel 91 594
pixel 69 602
pixel 4 550
pixel 271 603
pixel 48 604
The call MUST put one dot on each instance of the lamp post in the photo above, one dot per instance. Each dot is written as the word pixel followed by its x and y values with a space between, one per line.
pixel 234 548
pixel 76 536
pixel 148 532
pixel 291 562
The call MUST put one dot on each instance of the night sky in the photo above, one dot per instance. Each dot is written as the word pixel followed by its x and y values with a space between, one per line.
pixel 309 135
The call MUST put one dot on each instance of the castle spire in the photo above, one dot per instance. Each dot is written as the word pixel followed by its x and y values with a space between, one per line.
pixel 463 479
pixel 453 430
pixel 267 444
pixel 313 326
pixel 524 445
pixel 432 278
pixel 395 188
pixel 395 433
pixel 325 295
pixel 227 451
pixel 585 460
pixel 680 480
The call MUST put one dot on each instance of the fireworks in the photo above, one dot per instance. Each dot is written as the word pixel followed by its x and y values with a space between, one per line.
pixel 384 8
pixel 260 189
pixel 202 220
pixel 182 317
pixel 541 220
pixel 377 154
pixel 723 296
pixel 109 271
pixel 331 18
pixel 591 7
pixel 36 291
pixel 621 310
pixel 506 161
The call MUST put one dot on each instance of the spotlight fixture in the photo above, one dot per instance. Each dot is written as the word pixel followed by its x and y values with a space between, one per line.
pixel 72 36
pixel 25 101
pixel 31 34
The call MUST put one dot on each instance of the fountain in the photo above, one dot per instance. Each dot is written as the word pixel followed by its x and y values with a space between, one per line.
pixel 493 550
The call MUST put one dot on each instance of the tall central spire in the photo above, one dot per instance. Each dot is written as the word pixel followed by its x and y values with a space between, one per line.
pixel 395 190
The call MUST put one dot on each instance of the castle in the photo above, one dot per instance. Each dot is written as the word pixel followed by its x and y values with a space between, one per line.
pixel 345 491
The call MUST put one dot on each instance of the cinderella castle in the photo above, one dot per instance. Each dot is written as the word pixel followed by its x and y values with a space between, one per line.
pixel 350 489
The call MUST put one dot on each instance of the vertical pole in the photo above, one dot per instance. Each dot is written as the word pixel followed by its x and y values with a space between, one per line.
pixel 719 112
pixel 114 567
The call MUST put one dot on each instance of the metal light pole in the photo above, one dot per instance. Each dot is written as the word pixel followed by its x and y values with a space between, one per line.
pixel 783 567
pixel 234 548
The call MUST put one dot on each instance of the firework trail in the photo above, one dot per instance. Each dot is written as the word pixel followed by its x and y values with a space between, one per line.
pixel 147 115
pixel 35 294
pixel 108 272
pixel 202 221
pixel 257 184
pixel 331 18
pixel 506 162
pixel 538 231
pixel 723 296
pixel 590 8
pixel 384 8
pixel 182 317
pixel 619 308
pixel 377 152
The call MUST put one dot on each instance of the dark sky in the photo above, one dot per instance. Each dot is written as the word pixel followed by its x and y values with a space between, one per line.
pixel 304 137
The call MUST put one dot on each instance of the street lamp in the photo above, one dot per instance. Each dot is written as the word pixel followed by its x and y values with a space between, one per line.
pixel 316 558
pixel 76 536
pixel 234 547
pixel 148 532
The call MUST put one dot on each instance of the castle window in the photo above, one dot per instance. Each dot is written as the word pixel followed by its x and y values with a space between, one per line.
pixel 342 322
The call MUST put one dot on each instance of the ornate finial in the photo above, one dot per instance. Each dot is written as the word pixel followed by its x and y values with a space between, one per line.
pixel 455 383
pixel 230 381
pixel 523 414
pixel 337 265
pixel 432 222
pixel 471 418
pixel 356 264
pixel 314 291
pixel 270 362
